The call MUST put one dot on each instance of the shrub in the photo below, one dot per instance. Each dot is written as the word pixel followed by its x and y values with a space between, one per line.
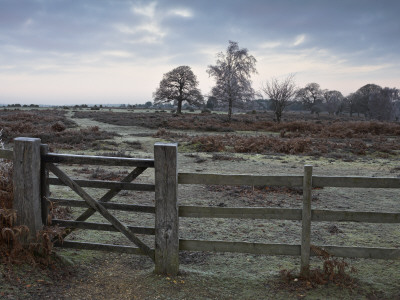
pixel 58 127
pixel 6 184
pixel 208 144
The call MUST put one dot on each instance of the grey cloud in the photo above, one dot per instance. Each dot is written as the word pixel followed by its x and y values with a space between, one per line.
pixel 357 30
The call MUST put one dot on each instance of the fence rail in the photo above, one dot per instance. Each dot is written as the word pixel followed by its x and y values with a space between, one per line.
pixel 286 249
pixel 289 180
pixel 286 214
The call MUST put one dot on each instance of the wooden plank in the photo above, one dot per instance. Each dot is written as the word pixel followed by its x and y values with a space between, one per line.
pixel 306 222
pixel 103 184
pixel 26 184
pixel 362 252
pixel 101 247
pixel 354 216
pixel 100 226
pixel 6 154
pixel 225 179
pixel 166 200
pixel 239 212
pixel 356 182
pixel 239 247
pixel 289 180
pixel 112 206
pixel 44 186
pixel 98 207
pixel 98 160
pixel 286 249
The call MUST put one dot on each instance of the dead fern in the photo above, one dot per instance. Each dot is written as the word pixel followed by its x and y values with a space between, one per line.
pixel 334 270
pixel 13 250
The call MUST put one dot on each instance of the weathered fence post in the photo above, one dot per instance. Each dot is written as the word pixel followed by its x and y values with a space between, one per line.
pixel 44 185
pixel 306 222
pixel 26 180
pixel 166 203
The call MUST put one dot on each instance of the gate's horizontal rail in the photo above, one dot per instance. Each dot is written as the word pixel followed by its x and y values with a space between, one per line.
pixel 100 184
pixel 225 179
pixel 289 180
pixel 101 247
pixel 7 154
pixel 100 226
pixel 98 160
pixel 286 249
pixel 108 205
pixel 286 214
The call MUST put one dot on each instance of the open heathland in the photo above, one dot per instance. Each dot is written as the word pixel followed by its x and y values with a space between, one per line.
pixel 250 144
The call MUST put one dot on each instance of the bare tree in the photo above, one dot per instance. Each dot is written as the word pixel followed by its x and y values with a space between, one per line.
pixel 179 85
pixel 232 72
pixel 334 100
pixel 381 104
pixel 310 95
pixel 362 97
pixel 280 93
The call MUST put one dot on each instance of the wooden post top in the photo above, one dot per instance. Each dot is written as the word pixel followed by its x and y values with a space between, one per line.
pixel 160 144
pixel 26 139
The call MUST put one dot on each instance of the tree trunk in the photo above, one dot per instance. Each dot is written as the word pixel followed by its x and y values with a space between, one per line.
pixel 230 110
pixel 179 108
pixel 278 116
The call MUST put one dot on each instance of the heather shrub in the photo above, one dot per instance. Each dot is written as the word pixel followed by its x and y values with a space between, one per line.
pixel 208 144
pixel 58 127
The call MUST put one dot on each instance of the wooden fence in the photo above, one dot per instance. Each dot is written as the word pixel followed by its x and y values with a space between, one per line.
pixel 167 212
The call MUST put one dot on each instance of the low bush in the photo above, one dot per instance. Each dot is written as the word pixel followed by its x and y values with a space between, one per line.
pixel 58 127
pixel 38 251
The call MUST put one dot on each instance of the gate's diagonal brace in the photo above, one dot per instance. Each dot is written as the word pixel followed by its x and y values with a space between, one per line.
pixel 111 193
pixel 100 208
pixel 107 197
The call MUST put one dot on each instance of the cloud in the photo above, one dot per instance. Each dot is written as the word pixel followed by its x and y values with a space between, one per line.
pixel 145 10
pixel 317 39
pixel 270 45
pixel 185 13
pixel 117 53
pixel 299 40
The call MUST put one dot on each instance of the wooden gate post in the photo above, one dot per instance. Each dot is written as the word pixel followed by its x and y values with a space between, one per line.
pixel 306 222
pixel 166 203
pixel 26 183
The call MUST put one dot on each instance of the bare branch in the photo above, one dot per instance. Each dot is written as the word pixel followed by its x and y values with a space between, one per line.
pixel 280 93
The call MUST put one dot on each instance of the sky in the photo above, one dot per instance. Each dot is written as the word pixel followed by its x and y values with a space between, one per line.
pixel 62 52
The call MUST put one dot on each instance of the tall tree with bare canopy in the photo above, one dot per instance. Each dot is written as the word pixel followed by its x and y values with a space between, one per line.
pixel 232 73
pixel 281 93
pixel 179 85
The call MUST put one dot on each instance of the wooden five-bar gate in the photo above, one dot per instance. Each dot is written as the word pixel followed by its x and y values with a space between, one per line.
pixel 33 162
